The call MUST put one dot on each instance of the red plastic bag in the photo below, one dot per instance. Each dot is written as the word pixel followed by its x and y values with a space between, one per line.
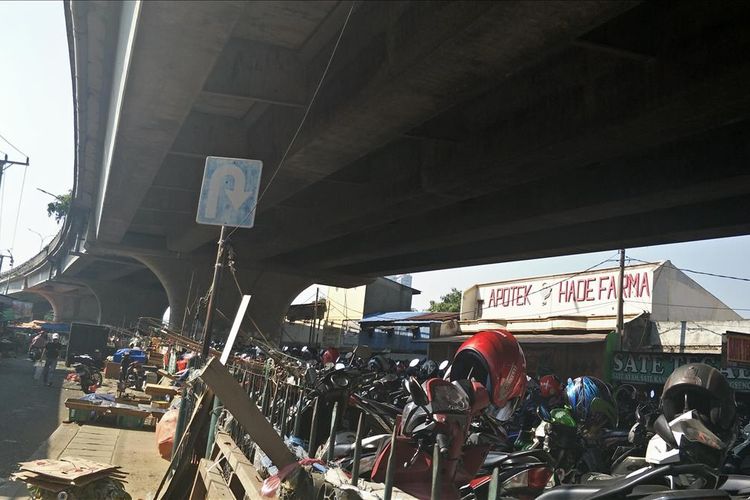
pixel 165 430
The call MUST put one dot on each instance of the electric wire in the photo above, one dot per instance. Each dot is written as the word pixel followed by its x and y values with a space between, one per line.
pixel 704 273
pixel 13 146
pixel 302 122
pixel 18 212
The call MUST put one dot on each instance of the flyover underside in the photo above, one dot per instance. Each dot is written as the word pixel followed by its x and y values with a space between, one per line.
pixel 444 134
pixel 450 134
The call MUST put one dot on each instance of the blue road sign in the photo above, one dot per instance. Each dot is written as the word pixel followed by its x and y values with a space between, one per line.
pixel 229 192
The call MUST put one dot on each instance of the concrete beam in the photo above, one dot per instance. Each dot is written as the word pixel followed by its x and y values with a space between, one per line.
pixel 713 219
pixel 613 110
pixel 259 72
pixel 145 118
pixel 705 168
pixel 390 76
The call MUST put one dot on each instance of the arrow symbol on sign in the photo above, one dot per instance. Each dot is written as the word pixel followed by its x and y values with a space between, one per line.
pixel 237 195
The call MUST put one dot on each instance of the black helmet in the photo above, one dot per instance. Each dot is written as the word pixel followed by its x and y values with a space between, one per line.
pixel 428 370
pixel 700 387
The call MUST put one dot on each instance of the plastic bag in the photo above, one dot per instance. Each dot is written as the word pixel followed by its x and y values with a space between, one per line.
pixel 38 370
pixel 165 430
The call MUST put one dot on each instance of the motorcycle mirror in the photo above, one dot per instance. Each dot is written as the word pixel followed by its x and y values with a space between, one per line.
pixel 339 366
pixel 414 362
pixel 416 392
pixel 443 365
pixel 652 394
pixel 543 413
pixel 662 429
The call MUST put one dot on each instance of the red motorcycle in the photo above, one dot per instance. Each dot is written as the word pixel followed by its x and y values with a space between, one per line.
pixel 438 415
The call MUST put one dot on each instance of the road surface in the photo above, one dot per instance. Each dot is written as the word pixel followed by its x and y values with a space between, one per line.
pixel 29 411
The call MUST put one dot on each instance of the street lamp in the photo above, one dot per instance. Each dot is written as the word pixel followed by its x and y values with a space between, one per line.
pixel 41 238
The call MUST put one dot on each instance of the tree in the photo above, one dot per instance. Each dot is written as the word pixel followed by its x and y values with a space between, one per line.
pixel 450 302
pixel 60 207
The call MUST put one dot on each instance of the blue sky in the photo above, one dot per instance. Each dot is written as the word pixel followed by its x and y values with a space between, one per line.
pixel 36 114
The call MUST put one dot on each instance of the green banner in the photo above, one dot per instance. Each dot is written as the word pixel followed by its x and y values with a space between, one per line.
pixel 655 368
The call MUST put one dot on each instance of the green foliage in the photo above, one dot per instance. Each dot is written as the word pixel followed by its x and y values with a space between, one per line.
pixel 60 207
pixel 450 302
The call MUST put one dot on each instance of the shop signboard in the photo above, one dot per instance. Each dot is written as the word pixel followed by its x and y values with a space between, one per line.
pixel 589 294
pixel 655 368
pixel 736 351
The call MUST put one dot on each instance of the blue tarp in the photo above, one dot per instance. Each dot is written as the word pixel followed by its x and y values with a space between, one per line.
pixel 135 355
pixel 396 318
pixel 56 327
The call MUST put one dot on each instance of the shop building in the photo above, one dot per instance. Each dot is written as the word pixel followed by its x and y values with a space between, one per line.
pixel 566 323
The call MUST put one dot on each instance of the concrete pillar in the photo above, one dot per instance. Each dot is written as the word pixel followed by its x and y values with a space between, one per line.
pixel 73 307
pixel 183 280
pixel 122 305
pixel 272 292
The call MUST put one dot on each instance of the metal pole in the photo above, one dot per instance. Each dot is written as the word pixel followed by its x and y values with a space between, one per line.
pixel 298 415
pixel 214 292
pixel 212 428
pixel 315 317
pixel 620 298
pixel 390 470
pixel 436 480
pixel 313 429
pixel 357 449
pixel 332 435
pixel 494 485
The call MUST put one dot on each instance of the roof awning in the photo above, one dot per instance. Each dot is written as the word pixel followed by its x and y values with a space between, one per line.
pixel 586 338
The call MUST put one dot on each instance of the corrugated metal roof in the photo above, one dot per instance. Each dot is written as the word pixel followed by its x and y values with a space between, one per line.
pixel 532 339
pixel 406 318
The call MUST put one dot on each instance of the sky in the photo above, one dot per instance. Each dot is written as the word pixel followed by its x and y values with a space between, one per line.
pixel 36 114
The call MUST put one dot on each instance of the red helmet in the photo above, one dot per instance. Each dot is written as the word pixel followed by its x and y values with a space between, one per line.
pixel 549 386
pixel 494 358
pixel 330 356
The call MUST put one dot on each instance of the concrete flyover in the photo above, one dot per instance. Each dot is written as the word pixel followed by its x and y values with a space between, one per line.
pixel 444 134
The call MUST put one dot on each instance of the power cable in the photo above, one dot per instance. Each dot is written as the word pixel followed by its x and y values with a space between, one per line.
pixel 18 213
pixel 302 122
pixel 14 147
pixel 704 273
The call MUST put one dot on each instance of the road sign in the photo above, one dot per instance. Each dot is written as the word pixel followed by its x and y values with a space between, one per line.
pixel 229 192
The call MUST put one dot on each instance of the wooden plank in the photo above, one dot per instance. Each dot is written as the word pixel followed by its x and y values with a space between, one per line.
pixel 236 401
pixel 160 390
pixel 187 442
pixel 243 469
pixel 216 488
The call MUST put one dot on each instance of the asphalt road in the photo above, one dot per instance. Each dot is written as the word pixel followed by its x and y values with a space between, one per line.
pixel 29 411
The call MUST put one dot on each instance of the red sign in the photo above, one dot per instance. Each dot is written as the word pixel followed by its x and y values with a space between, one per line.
pixel 738 348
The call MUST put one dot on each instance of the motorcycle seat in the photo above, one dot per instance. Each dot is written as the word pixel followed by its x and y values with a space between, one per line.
pixel 581 491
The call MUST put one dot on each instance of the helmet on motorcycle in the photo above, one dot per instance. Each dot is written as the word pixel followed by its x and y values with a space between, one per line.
pixel 380 363
pixel 494 358
pixel 581 394
pixel 330 355
pixel 55 336
pixel 549 386
pixel 429 369
pixel 703 388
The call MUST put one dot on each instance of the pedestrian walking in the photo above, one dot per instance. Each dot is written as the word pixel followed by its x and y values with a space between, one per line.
pixel 50 355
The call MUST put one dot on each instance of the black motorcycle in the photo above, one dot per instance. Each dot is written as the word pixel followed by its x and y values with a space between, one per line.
pixel 89 372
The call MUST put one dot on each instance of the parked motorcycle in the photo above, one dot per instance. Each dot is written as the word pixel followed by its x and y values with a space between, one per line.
pixel 89 372
pixel 435 425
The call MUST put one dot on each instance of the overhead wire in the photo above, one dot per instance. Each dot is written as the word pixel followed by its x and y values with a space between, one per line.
pixel 692 271
pixel 13 146
pixel 302 122
pixel 18 212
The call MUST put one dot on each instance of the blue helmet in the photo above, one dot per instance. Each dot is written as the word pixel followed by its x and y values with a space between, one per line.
pixel 581 394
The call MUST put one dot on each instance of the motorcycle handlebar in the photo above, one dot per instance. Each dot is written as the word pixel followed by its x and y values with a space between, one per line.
pixel 443 443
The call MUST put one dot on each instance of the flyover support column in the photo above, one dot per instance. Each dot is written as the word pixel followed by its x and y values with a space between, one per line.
pixel 272 293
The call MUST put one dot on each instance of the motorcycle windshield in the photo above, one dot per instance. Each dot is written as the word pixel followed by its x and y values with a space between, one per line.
pixel 696 432
pixel 446 398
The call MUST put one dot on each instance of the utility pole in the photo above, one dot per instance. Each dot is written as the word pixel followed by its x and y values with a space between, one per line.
pixel 10 255
pixel 6 163
pixel 620 298
pixel 315 318
pixel 215 283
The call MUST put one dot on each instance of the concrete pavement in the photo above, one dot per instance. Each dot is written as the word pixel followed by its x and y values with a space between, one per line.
pixel 30 420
